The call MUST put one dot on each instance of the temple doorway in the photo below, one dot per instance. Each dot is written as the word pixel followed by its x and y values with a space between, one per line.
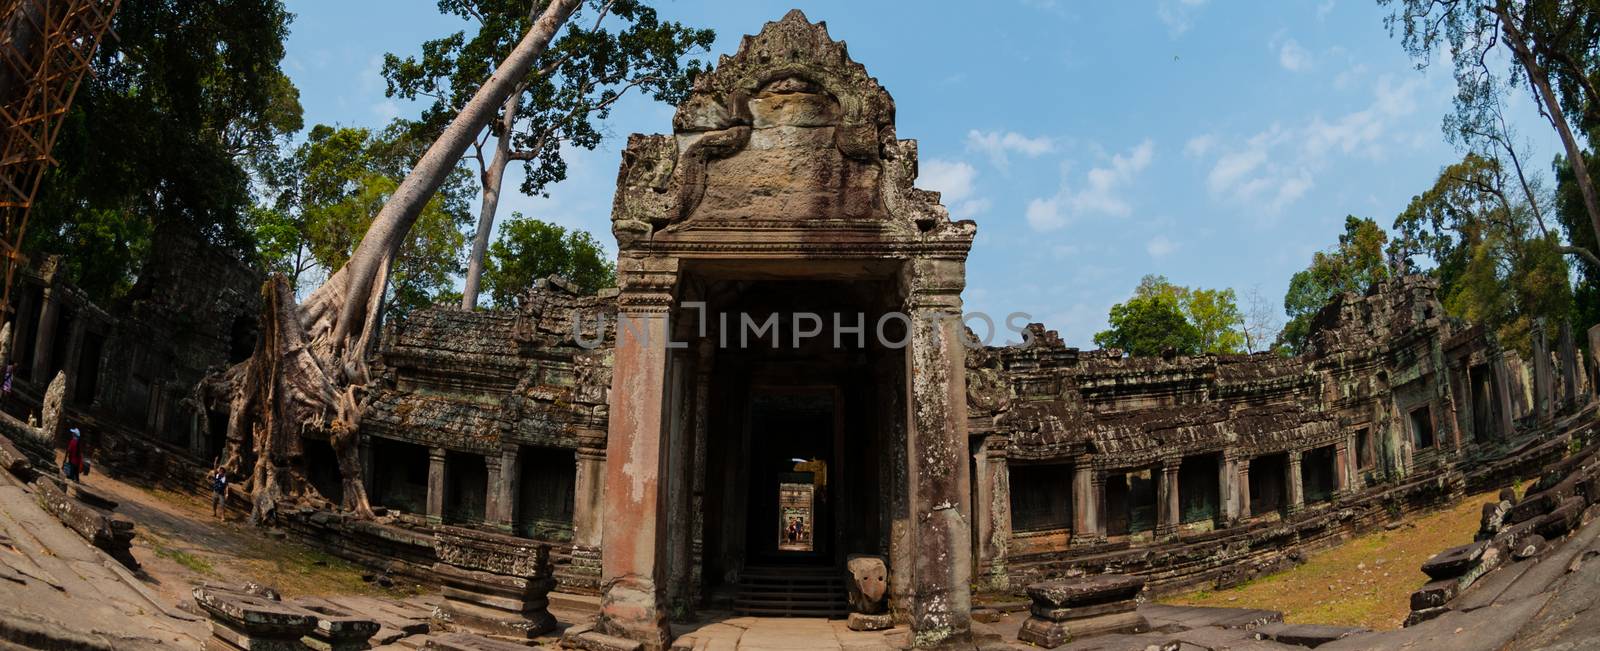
pixel 796 436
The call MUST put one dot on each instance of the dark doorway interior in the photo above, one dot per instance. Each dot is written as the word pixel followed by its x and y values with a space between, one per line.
pixel 1041 497
pixel 793 440
pixel 1130 502
pixel 400 478
pixel 1198 488
pixel 322 469
pixel 548 479
pixel 466 481
pixel 1268 483
pixel 1317 474
pixel 1485 410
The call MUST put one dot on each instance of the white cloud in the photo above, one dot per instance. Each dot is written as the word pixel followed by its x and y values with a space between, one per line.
pixel 997 145
pixel 956 183
pixel 1099 194
pixel 1200 145
pixel 1278 166
pixel 1347 78
pixel 1178 16
pixel 1324 9
pixel 1160 246
pixel 386 110
pixel 1293 57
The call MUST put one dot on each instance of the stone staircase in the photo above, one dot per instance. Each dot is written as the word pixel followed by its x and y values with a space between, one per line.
pixel 787 591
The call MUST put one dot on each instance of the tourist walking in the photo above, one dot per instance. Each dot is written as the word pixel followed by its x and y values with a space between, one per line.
pixel 77 464
pixel 219 492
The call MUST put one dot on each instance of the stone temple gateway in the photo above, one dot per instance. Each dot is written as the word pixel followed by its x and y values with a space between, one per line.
pixel 777 389
pixel 783 190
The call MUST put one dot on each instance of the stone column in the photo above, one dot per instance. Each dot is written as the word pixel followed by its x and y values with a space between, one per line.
pixel 936 447
pixel 1502 396
pixel 1543 382
pixel 633 567
pixel 1227 489
pixel 1341 467
pixel 1098 480
pixel 992 511
pixel 1569 366
pixel 1243 487
pixel 44 335
pixel 500 508
pixel 582 575
pixel 1297 498
pixel 1167 514
pixel 1086 525
pixel 368 465
pixel 679 485
pixel 436 483
pixel 697 506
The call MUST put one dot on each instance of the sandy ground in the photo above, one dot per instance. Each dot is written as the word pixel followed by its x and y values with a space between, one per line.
pixel 1366 581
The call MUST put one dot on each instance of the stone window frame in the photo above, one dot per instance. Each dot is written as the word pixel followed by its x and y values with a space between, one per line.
pixel 1432 426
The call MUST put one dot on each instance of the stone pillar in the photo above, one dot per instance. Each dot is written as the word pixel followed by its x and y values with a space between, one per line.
pixel 582 574
pixel 1086 525
pixel 679 484
pixel 44 335
pixel 992 511
pixel 369 465
pixel 1341 467
pixel 1227 493
pixel 697 506
pixel 1502 394
pixel 1569 366
pixel 1543 380
pixel 1098 480
pixel 436 484
pixel 936 447
pixel 1243 487
pixel 1167 514
pixel 633 567
pixel 500 508
pixel 1297 497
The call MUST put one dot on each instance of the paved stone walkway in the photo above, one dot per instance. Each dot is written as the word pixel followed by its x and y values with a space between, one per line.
pixel 777 633
pixel 55 585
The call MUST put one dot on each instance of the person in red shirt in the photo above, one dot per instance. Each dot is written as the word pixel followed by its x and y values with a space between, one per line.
pixel 74 466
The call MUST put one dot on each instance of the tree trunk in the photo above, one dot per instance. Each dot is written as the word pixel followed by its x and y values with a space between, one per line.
pixel 1546 96
pixel 492 179
pixel 308 374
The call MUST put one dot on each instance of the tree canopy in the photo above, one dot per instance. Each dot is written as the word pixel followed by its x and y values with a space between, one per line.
pixel 608 48
pixel 328 190
pixel 530 249
pixel 1162 316
pixel 163 134
pixel 1352 266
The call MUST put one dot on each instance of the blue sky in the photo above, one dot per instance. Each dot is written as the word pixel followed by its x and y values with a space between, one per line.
pixel 1217 143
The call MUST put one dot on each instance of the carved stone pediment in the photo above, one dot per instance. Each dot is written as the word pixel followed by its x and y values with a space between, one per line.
pixel 786 134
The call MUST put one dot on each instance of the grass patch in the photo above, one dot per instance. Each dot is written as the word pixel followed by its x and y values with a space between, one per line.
pixel 297 570
pixel 194 563
pixel 1367 581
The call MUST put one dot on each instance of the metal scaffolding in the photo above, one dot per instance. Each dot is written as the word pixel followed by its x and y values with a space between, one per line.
pixel 45 50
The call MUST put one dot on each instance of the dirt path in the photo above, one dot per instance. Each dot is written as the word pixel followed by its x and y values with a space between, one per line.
pixel 181 546
pixel 1366 581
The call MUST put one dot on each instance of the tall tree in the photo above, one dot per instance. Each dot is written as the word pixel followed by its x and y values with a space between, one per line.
pixel 328 190
pixel 1552 46
pixel 308 375
pixel 1570 213
pixel 1495 266
pixel 163 135
pixel 1260 321
pixel 1352 266
pixel 610 48
pixel 529 249
pixel 1162 316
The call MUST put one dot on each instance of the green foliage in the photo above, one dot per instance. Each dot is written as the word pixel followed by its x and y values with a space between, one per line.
pixel 1352 266
pixel 329 190
pixel 529 249
pixel 1575 221
pixel 573 85
pixel 1492 267
pixel 179 106
pixel 1161 315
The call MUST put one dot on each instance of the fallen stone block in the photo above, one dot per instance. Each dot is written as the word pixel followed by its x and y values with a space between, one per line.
pixel 865 622
pixel 1420 616
pixel 470 642
pixel 338 628
pixel 110 533
pixel 494 583
pixel 1073 608
pixel 1453 562
pixel 1529 547
pixel 1561 520
pixel 585 638
pixel 1435 593
pixel 1306 635
pixel 243 621
pixel 1050 634
pixel 1083 591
